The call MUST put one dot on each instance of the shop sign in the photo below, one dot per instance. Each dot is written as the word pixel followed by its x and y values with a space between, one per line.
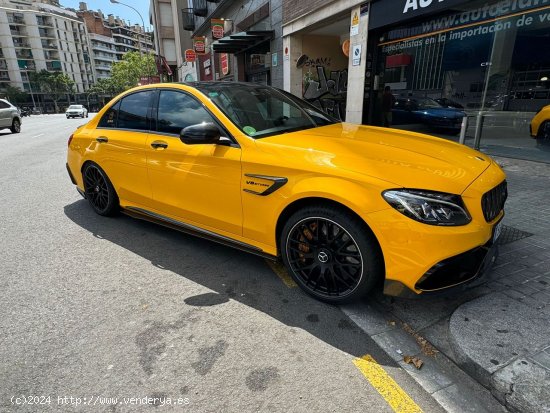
pixel 190 55
pixel 199 45
pixel 224 63
pixel 217 28
pixel 386 12
pixel 206 63
pixel 148 80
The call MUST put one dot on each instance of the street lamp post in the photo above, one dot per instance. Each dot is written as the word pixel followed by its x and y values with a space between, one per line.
pixel 30 89
pixel 143 25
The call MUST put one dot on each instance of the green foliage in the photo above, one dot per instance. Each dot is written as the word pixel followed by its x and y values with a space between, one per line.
pixel 126 73
pixel 15 95
pixel 54 84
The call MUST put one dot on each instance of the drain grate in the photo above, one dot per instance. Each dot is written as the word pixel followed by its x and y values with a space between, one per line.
pixel 510 234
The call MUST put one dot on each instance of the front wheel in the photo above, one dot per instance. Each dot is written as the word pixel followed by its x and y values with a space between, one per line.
pixel 15 126
pixel 330 254
pixel 99 190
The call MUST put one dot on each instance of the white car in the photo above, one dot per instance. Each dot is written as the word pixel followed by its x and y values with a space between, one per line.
pixel 10 117
pixel 76 111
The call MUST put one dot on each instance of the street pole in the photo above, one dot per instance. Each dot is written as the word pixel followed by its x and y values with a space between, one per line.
pixel 30 89
pixel 144 39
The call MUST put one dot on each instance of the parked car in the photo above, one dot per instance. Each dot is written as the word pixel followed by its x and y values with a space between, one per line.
pixel 344 206
pixel 10 118
pixel 448 103
pixel 428 112
pixel 76 111
pixel 539 128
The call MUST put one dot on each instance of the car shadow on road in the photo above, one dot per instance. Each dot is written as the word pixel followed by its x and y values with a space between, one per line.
pixel 230 274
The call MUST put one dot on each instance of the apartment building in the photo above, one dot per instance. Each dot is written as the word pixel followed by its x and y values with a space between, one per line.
pixel 111 37
pixel 41 35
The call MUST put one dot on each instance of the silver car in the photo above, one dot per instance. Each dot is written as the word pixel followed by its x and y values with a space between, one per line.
pixel 76 111
pixel 9 117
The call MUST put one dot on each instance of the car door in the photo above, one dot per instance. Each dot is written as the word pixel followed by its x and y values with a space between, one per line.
pixel 199 183
pixel 119 144
pixel 5 114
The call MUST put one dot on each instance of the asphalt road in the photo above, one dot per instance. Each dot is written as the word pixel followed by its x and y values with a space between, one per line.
pixel 100 308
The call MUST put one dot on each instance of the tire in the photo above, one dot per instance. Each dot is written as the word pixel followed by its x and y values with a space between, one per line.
pixel 543 134
pixel 99 190
pixel 330 254
pixel 86 114
pixel 15 126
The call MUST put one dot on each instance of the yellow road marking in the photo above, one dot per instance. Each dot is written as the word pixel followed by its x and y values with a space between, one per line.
pixel 282 273
pixel 394 395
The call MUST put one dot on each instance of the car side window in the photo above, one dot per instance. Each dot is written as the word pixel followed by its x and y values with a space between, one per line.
pixel 4 105
pixel 177 110
pixel 133 111
pixel 109 118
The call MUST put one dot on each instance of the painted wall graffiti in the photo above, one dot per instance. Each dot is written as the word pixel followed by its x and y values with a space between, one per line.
pixel 328 94
pixel 319 61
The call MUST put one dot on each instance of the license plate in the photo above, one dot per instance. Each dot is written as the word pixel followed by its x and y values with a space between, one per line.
pixel 497 231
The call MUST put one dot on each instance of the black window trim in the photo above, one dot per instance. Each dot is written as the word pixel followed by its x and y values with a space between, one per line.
pixel 154 116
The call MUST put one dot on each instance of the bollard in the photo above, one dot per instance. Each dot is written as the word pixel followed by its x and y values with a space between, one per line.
pixel 463 128
pixel 479 126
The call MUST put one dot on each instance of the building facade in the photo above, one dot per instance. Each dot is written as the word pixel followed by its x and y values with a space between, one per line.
pixel 171 40
pixel 37 36
pixel 110 38
pixel 236 40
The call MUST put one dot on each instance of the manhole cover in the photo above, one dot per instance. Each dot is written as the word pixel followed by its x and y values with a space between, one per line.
pixel 510 234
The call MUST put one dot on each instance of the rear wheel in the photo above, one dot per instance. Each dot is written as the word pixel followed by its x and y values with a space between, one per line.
pixel 99 190
pixel 330 254
pixel 15 126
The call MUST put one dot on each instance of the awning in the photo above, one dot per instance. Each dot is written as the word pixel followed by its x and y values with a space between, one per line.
pixel 239 42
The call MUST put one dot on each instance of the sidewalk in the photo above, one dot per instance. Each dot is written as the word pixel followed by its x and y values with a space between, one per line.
pixel 499 330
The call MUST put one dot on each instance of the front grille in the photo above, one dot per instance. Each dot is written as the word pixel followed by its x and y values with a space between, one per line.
pixel 493 201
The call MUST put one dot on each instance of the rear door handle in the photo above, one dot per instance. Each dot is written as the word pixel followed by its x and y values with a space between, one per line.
pixel 102 139
pixel 159 144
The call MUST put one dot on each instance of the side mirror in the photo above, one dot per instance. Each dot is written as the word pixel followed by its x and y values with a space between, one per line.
pixel 199 134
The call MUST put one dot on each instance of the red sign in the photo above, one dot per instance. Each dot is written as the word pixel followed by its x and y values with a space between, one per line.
pixel 190 55
pixel 199 44
pixel 224 63
pixel 398 60
pixel 217 28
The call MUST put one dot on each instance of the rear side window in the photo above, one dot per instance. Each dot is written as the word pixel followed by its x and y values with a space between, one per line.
pixel 177 110
pixel 133 111
pixel 4 105
pixel 110 117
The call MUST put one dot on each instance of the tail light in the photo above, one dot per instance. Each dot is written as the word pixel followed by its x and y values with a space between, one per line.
pixel 70 139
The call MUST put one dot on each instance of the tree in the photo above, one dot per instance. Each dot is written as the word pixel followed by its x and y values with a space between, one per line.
pixel 55 84
pixel 105 87
pixel 127 72
pixel 15 95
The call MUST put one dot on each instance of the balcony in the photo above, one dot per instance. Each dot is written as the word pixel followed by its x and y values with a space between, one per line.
pixel 53 65
pixel 200 8
pixel 23 54
pixel 26 65
pixel 44 22
pixel 16 20
pixel 188 19
pixel 51 55
pixel 18 31
pixel 17 43
pixel 48 45
pixel 46 33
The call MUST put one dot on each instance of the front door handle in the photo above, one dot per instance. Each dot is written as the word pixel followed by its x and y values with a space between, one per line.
pixel 102 139
pixel 159 144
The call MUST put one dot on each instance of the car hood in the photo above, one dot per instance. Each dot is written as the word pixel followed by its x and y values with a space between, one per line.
pixel 404 159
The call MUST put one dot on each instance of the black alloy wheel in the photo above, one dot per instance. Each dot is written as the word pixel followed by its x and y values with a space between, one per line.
pixel 330 254
pixel 99 191
pixel 15 126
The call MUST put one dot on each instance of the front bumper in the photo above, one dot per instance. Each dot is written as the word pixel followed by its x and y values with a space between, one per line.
pixel 450 275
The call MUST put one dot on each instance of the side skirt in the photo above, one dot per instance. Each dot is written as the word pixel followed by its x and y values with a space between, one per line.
pixel 149 216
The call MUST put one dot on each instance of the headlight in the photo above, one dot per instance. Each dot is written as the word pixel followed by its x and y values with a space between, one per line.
pixel 433 208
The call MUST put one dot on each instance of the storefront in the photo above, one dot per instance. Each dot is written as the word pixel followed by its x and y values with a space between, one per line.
pixel 478 56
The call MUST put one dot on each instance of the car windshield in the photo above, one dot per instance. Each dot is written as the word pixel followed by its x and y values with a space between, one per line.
pixel 427 103
pixel 261 111
pixel 75 107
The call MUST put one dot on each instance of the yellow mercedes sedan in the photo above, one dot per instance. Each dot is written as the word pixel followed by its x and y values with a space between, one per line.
pixel 345 206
